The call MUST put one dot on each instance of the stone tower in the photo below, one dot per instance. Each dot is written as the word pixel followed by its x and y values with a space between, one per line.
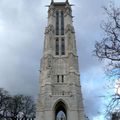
pixel 60 95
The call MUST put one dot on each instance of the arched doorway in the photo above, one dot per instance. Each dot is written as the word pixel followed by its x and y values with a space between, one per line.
pixel 60 111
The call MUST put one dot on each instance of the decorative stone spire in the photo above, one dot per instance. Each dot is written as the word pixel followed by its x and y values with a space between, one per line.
pixel 67 1
pixel 52 1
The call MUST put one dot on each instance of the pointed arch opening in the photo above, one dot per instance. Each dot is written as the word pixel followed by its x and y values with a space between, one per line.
pixel 60 111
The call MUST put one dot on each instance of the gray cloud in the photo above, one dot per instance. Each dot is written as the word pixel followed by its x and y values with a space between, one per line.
pixel 20 43
pixel 93 84
pixel 22 26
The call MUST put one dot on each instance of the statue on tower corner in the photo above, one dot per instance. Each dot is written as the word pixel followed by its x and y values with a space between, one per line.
pixel 67 1
pixel 52 1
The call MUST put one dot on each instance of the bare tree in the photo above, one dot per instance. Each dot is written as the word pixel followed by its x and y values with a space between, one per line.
pixel 108 49
pixel 4 100
pixel 17 106
pixel 29 107
pixel 21 106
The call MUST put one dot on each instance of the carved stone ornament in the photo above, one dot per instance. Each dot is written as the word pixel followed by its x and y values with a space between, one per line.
pixel 67 10
pixel 49 74
pixel 49 62
pixel 51 11
pixel 69 28
pixel 49 29
pixel 46 30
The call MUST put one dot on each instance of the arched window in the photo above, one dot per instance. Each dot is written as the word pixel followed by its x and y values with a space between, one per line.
pixel 60 111
pixel 57 46
pixel 62 78
pixel 62 46
pixel 62 23
pixel 58 78
pixel 57 22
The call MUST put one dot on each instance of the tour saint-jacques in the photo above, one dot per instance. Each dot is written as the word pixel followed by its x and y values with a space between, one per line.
pixel 60 96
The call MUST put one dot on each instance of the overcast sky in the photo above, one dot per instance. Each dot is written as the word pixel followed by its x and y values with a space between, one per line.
pixel 22 24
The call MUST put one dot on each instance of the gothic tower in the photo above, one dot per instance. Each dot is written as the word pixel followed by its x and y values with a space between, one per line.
pixel 60 95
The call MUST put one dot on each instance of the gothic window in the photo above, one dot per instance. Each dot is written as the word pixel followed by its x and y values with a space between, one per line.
pixel 62 46
pixel 58 78
pixel 57 22
pixel 60 111
pixel 57 46
pixel 62 78
pixel 62 23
